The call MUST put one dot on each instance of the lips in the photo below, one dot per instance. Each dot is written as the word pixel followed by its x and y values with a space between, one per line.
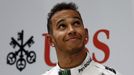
pixel 72 38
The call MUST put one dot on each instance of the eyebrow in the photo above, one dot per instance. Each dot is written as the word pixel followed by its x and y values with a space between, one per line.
pixel 64 19
pixel 60 21
pixel 77 18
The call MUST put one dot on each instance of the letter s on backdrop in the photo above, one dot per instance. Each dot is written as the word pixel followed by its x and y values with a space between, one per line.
pixel 101 46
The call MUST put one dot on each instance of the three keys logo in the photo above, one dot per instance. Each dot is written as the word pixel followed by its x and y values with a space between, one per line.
pixel 22 56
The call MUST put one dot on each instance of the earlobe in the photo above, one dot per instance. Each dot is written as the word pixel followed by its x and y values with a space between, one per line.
pixel 52 44
pixel 50 40
pixel 86 36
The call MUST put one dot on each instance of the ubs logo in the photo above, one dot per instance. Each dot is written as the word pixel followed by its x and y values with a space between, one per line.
pixel 22 56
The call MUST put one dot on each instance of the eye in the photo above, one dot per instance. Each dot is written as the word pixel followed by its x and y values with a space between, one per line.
pixel 61 26
pixel 77 23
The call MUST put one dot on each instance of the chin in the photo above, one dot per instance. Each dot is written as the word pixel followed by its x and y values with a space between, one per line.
pixel 75 50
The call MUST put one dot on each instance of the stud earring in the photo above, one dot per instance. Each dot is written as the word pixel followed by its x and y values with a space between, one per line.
pixel 52 45
pixel 86 40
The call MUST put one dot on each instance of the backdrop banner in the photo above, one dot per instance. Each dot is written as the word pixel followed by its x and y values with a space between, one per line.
pixel 24 47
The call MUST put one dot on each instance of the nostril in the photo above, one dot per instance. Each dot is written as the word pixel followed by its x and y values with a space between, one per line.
pixel 72 32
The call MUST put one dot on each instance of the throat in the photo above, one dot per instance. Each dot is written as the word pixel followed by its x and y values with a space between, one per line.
pixel 71 61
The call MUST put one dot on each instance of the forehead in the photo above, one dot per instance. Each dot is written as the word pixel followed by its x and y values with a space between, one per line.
pixel 64 14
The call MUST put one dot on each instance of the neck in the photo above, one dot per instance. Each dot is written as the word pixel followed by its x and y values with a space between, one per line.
pixel 66 61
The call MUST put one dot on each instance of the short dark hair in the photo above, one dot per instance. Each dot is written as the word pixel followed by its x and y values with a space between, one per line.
pixel 59 7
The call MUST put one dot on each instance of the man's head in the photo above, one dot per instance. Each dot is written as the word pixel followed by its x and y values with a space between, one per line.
pixel 66 29
pixel 57 8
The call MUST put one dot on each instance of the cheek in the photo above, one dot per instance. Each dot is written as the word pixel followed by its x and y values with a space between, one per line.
pixel 58 36
pixel 81 32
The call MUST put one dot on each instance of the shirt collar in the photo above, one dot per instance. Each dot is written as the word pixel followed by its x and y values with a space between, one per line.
pixel 77 70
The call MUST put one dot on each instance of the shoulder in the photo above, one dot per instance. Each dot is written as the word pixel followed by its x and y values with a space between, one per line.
pixel 105 70
pixel 52 71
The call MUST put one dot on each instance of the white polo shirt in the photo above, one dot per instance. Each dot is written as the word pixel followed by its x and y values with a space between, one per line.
pixel 88 67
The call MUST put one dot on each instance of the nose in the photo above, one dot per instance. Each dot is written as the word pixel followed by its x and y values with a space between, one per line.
pixel 71 30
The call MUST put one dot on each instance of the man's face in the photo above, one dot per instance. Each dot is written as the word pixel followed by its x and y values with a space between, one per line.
pixel 68 33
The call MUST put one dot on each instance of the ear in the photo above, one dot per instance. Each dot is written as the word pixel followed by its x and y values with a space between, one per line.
pixel 50 39
pixel 86 36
